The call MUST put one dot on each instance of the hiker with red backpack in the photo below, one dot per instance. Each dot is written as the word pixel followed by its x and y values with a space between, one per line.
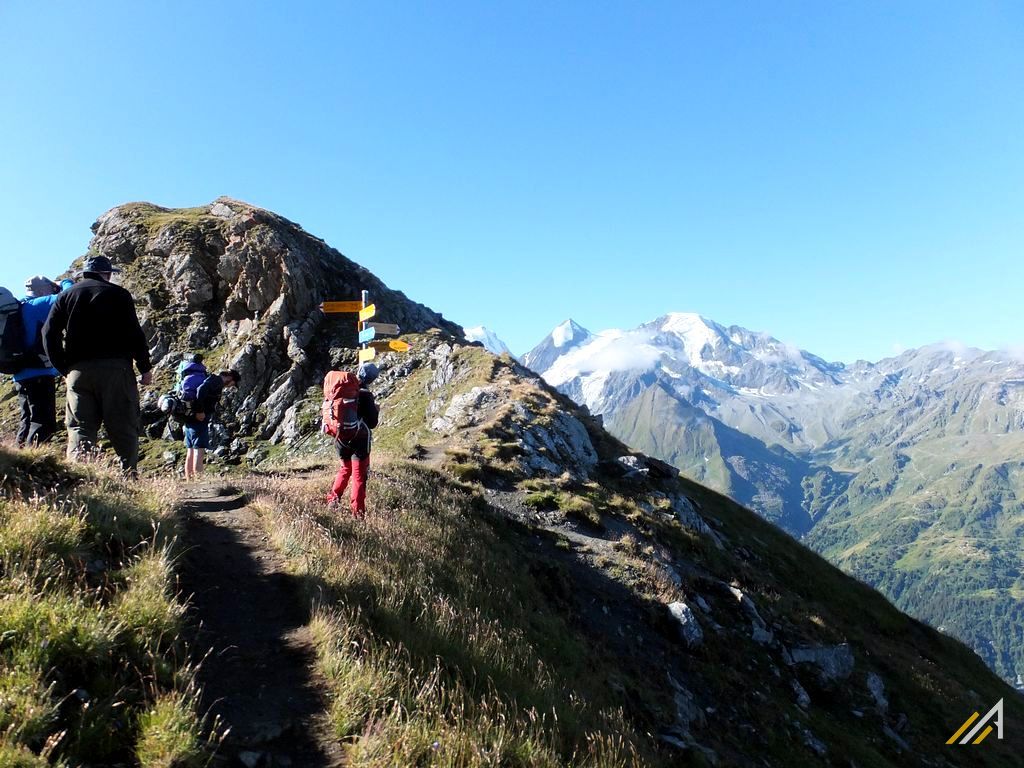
pixel 350 415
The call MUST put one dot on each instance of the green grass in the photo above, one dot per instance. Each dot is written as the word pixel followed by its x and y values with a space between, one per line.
pixel 155 218
pixel 15 755
pixel 426 666
pixel 89 625
pixel 541 500
pixel 466 471
pixel 170 735
pixel 580 509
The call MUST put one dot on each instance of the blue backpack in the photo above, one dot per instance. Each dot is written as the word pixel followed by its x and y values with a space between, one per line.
pixel 14 356
pixel 190 376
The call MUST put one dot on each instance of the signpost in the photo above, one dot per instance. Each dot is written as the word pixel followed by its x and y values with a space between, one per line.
pixel 391 345
pixel 333 307
pixel 368 331
pixel 383 329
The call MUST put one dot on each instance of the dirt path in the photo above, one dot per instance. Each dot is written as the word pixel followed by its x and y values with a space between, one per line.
pixel 258 678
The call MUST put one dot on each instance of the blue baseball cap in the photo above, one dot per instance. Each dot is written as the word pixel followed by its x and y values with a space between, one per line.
pixel 367 373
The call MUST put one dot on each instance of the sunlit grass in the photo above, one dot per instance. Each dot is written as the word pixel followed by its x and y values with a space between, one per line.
pixel 425 663
pixel 90 628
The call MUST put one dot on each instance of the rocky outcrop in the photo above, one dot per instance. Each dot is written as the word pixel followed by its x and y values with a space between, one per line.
pixel 555 443
pixel 689 627
pixel 244 285
pixel 466 410
pixel 688 516
pixel 832 662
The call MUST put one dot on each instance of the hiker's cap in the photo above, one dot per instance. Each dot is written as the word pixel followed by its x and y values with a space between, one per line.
pixel 100 265
pixel 40 285
pixel 367 373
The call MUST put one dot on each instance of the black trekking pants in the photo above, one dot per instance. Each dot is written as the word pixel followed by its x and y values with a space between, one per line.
pixel 38 400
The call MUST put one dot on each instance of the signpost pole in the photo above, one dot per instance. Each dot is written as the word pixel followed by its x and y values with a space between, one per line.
pixel 365 297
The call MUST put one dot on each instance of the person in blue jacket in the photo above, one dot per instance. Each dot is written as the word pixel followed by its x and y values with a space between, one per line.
pixel 37 386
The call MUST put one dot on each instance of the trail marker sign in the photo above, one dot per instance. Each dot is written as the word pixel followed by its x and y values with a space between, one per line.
pixel 335 307
pixel 365 355
pixel 366 334
pixel 367 312
pixel 383 329
pixel 391 345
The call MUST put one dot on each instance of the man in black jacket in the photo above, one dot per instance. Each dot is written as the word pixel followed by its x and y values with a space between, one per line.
pixel 92 336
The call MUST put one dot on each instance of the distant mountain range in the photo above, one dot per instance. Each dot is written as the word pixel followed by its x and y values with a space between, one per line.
pixel 907 472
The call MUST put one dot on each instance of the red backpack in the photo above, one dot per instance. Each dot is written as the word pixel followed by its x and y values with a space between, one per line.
pixel 340 410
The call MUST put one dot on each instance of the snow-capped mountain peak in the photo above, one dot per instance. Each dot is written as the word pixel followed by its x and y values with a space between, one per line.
pixel 489 339
pixel 696 333
pixel 567 332
pixel 565 337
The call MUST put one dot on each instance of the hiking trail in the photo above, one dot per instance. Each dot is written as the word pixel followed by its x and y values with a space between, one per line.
pixel 249 619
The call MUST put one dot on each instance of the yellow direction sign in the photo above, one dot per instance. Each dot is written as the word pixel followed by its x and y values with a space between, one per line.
pixel 367 312
pixel 341 306
pixel 392 345
pixel 366 355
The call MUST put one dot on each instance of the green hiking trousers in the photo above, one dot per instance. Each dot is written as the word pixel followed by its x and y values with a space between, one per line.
pixel 104 392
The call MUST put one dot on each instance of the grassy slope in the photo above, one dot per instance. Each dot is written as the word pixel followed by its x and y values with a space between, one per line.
pixel 91 665
pixel 453 635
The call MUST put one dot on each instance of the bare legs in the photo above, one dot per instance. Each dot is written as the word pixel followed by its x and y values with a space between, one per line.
pixel 194 463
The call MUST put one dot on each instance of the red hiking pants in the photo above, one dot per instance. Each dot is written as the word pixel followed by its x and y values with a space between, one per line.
pixel 356 468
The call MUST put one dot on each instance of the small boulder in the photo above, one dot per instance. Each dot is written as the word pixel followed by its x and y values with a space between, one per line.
pixel 250 759
pixel 633 465
pixel 689 628
pixel 813 743
pixel 762 636
pixel 803 699
pixel 877 688
pixel 834 662
pixel 896 738
pixel 748 606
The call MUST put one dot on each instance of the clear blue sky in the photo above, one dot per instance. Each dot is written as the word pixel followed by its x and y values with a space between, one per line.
pixel 848 176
